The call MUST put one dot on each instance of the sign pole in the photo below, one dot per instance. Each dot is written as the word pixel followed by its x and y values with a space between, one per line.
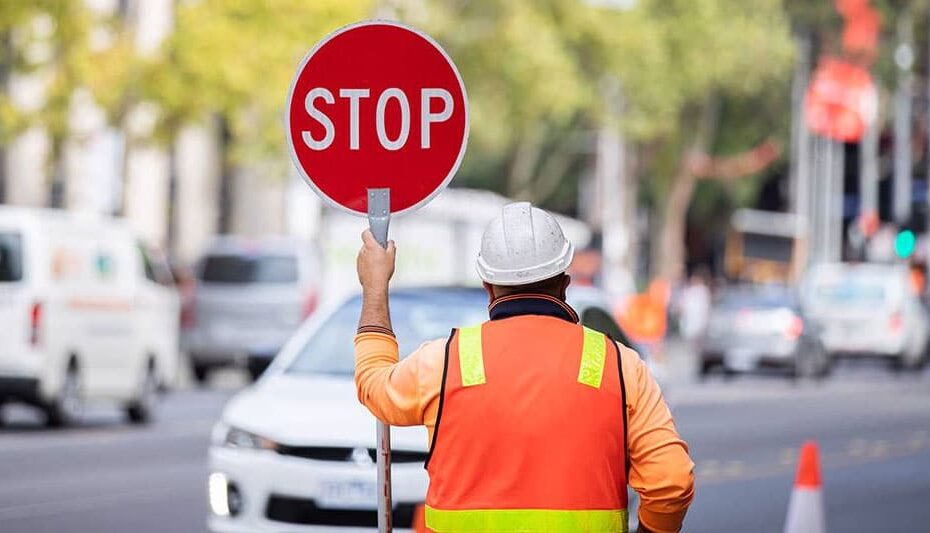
pixel 379 218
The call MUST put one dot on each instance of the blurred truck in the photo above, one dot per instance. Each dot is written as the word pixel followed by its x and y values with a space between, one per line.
pixel 764 247
pixel 437 244
pixel 86 312
pixel 248 297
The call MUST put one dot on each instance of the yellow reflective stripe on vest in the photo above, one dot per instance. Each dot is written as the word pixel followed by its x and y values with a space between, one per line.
pixel 526 520
pixel 592 358
pixel 471 359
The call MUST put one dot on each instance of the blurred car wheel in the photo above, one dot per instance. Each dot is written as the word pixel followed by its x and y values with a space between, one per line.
pixel 705 368
pixel 906 363
pixel 256 367
pixel 66 409
pixel 201 373
pixel 141 410
pixel 812 363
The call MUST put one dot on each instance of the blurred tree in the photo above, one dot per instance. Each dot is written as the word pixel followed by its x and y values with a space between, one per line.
pixel 47 38
pixel 534 72
pixel 236 58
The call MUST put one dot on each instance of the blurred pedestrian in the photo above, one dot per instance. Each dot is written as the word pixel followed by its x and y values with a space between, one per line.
pixel 535 422
pixel 694 307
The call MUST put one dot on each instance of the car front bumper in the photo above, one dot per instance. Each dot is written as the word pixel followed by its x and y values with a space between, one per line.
pixel 751 355
pixel 273 485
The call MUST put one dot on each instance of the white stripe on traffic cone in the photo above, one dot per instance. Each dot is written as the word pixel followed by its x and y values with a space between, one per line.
pixel 805 510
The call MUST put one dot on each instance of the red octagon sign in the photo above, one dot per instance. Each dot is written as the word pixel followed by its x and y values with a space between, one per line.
pixel 377 105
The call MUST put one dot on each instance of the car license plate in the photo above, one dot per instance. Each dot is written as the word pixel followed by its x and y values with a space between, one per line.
pixel 740 360
pixel 355 494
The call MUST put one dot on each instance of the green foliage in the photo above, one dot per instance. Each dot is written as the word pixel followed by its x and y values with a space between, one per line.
pixel 237 58
pixel 49 38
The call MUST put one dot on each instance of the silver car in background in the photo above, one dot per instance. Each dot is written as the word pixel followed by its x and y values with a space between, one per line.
pixel 249 296
pixel 868 310
pixel 758 327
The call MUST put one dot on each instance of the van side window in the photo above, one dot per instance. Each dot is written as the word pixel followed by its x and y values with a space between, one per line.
pixel 11 257
pixel 155 271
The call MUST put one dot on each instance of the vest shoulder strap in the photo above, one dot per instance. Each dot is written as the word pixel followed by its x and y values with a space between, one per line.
pixel 593 355
pixel 471 358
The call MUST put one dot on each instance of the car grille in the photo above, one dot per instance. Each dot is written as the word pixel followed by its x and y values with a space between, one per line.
pixel 302 511
pixel 345 454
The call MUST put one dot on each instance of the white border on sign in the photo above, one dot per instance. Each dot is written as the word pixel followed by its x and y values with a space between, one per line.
pixel 290 96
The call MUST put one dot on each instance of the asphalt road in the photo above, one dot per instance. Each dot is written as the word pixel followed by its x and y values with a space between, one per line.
pixel 873 429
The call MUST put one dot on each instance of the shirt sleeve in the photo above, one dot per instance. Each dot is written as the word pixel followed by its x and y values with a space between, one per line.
pixel 661 470
pixel 398 392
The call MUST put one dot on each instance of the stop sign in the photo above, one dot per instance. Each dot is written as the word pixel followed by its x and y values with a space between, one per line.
pixel 377 105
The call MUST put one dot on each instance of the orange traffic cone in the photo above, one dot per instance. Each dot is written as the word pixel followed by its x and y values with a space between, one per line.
pixel 805 509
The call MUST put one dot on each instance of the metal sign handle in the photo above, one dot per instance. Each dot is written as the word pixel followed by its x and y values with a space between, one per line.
pixel 379 218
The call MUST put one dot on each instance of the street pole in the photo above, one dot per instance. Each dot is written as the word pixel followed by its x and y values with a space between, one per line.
pixel 904 59
pixel 614 203
pixel 868 169
pixel 379 218
pixel 800 136
pixel 927 255
pixel 814 199
pixel 835 200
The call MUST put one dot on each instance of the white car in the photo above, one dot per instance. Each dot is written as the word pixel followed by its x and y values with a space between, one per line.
pixel 87 314
pixel 868 310
pixel 296 449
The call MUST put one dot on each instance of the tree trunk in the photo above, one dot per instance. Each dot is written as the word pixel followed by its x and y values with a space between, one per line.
pixel 525 160
pixel 670 257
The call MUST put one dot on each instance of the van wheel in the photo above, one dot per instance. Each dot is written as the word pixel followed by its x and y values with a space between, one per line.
pixel 201 373
pixel 906 363
pixel 66 409
pixel 140 410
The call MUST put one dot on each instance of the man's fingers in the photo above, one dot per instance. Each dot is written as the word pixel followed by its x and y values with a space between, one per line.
pixel 391 248
pixel 368 239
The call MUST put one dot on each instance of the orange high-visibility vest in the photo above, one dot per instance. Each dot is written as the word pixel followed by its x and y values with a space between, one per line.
pixel 530 434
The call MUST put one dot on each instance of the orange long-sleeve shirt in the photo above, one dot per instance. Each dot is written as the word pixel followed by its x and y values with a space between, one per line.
pixel 406 393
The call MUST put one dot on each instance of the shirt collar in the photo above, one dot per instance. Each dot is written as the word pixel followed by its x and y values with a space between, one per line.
pixel 531 304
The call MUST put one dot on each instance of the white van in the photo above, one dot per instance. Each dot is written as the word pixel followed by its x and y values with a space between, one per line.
pixel 86 314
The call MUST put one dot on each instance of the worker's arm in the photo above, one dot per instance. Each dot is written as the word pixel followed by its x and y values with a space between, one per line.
pixel 375 267
pixel 400 393
pixel 392 390
pixel 661 470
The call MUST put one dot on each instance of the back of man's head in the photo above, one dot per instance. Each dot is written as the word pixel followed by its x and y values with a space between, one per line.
pixel 524 250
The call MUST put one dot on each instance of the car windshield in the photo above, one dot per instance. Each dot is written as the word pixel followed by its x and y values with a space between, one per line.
pixel 756 299
pixel 232 268
pixel 11 257
pixel 415 317
pixel 855 288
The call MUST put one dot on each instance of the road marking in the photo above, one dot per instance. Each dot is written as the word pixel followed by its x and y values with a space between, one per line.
pixel 733 469
pixel 879 449
pixel 860 451
pixel 707 468
pixel 788 456
pixel 918 440
pixel 858 448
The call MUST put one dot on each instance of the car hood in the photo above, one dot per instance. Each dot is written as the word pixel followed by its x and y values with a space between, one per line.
pixel 312 410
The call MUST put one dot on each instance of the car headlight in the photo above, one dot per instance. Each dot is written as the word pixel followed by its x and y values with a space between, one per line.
pixel 233 437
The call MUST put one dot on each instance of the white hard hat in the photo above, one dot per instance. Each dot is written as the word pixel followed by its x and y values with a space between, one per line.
pixel 523 245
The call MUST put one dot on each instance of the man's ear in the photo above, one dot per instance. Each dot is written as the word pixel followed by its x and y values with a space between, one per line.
pixel 490 290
